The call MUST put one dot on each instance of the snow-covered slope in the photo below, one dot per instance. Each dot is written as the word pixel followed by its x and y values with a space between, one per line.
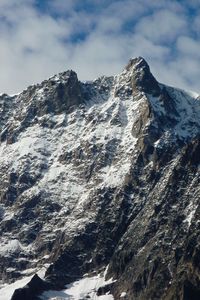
pixel 75 160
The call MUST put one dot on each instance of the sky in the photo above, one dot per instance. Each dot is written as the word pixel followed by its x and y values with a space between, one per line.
pixel 39 38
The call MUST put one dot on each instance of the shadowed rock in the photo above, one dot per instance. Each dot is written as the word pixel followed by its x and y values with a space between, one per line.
pixel 142 78
pixel 30 291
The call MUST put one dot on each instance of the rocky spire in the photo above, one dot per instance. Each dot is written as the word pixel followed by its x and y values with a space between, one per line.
pixel 141 77
pixel 61 92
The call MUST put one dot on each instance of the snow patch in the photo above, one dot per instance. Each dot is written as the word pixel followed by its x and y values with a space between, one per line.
pixel 12 246
pixel 7 291
pixel 123 294
pixel 81 289
pixel 190 214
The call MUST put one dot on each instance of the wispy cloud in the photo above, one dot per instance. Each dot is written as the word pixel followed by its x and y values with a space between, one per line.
pixel 41 38
pixel 164 26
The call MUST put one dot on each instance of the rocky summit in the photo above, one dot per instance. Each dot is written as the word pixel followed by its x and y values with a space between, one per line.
pixel 100 189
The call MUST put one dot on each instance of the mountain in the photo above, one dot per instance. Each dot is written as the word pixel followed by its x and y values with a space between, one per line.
pixel 100 189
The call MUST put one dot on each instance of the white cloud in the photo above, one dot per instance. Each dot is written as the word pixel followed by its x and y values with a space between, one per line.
pixel 182 73
pixel 196 24
pixel 188 46
pixel 37 44
pixel 62 6
pixel 162 26
pixel 31 47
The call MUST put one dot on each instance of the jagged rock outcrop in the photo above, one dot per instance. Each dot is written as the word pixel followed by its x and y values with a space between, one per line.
pixel 102 174
pixel 33 289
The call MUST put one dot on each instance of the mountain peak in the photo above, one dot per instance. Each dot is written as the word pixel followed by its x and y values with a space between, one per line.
pixel 136 63
pixel 141 76
pixel 100 178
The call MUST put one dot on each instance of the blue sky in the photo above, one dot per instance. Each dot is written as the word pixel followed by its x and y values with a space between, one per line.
pixel 94 37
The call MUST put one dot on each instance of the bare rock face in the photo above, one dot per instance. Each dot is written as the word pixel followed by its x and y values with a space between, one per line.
pixel 101 175
pixel 142 79
pixel 57 95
